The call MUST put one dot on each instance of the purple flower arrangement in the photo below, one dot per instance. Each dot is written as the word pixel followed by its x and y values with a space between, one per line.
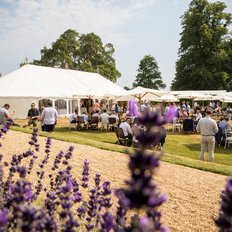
pixel 70 204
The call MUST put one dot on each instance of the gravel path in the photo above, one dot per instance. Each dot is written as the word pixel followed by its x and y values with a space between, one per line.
pixel 194 195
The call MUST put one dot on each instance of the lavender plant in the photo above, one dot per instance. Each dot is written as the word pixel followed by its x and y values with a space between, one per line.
pixel 224 220
pixel 75 205
pixel 141 192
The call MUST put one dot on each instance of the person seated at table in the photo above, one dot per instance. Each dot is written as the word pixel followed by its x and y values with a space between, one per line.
pixel 33 116
pixel 224 124
pixel 183 105
pixel 188 108
pixel 114 115
pixel 4 114
pixel 86 117
pixel 96 114
pixel 197 116
pixel 104 119
pixel 73 117
pixel 127 131
pixel 182 115
pixel 137 128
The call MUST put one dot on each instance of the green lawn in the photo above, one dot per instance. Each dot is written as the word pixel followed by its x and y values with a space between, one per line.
pixel 179 148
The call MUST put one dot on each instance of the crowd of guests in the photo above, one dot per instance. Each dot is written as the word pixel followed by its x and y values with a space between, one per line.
pixel 123 118
pixel 48 116
pixel 97 116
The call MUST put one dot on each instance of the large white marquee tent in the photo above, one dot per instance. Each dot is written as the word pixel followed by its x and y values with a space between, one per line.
pixel 32 83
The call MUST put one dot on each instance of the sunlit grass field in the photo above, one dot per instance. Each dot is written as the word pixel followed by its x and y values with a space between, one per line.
pixel 179 148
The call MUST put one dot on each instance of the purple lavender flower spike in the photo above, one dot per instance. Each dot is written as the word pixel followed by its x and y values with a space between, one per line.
pixel 22 172
pixel 97 179
pixel 3 219
pixel 141 192
pixel 34 139
pixel 85 174
pixel 150 119
pixel 133 108
pixel 5 128
pixel 224 220
pixel 171 113
pixel 107 222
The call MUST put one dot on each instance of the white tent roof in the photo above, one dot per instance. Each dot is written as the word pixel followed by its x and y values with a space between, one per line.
pixel 192 92
pixel 168 98
pixel 39 81
pixel 141 93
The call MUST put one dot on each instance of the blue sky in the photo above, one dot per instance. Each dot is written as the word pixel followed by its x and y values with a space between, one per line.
pixel 135 27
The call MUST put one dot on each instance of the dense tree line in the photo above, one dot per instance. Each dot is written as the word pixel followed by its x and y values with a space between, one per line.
pixel 84 52
pixel 205 53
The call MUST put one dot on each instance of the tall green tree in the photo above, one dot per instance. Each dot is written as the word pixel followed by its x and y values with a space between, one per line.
pixel 227 65
pixel 84 52
pixel 148 74
pixel 203 47
pixel 63 52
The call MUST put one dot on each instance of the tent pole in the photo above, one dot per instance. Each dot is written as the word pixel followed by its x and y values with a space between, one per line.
pixel 79 106
pixel 67 107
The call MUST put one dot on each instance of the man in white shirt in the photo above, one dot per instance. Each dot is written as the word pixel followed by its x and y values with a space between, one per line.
pixel 49 117
pixel 127 131
pixel 73 117
pixel 86 117
pixel 104 119
pixel 114 115
pixel 198 116
pixel 4 114
pixel 208 128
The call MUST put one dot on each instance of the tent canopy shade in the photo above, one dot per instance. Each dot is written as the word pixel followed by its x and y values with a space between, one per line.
pixel 141 93
pixel 37 82
pixel 167 98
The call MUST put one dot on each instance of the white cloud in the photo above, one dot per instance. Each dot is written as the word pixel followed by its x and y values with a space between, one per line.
pixel 27 25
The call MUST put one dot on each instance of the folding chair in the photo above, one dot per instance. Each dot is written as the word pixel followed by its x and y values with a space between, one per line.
pixel 93 124
pixel 121 137
pixel 176 126
pixel 228 137
pixel 219 137
pixel 116 132
pixel 81 123
pixel 112 122
pixel 73 124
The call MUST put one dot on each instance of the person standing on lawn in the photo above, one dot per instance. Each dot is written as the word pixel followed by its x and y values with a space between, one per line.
pixel 49 117
pixel 33 115
pixel 208 128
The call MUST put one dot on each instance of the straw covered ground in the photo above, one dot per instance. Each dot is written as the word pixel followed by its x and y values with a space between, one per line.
pixel 194 195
